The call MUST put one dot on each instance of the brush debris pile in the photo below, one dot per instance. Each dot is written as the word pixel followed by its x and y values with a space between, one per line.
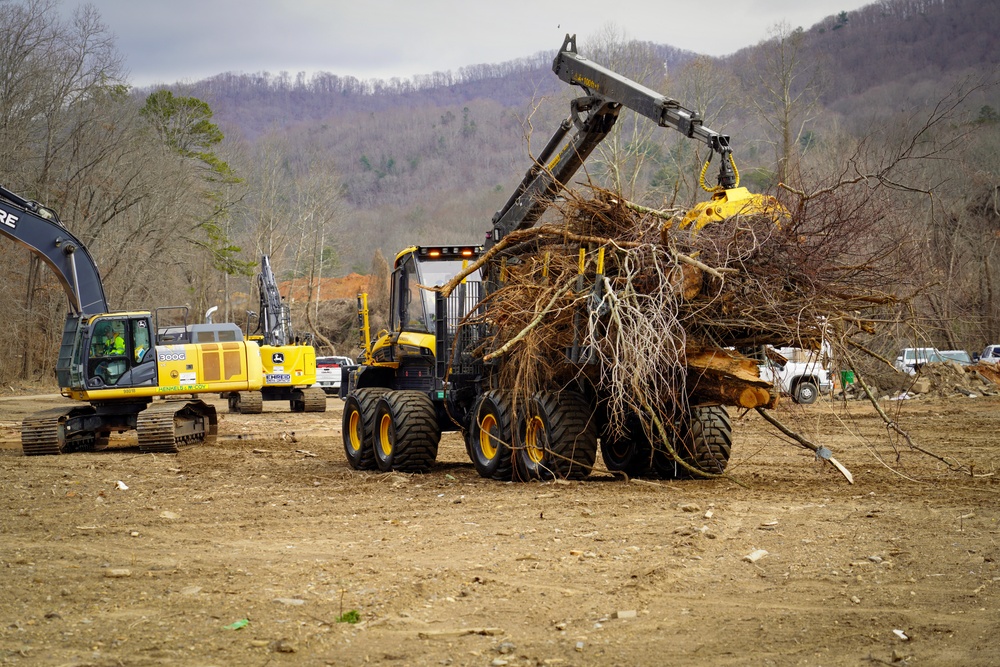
pixel 670 314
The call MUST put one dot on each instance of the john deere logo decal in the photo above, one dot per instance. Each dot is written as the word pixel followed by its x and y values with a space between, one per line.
pixel 278 358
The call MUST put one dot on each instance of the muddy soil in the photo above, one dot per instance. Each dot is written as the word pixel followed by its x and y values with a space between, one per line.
pixel 263 548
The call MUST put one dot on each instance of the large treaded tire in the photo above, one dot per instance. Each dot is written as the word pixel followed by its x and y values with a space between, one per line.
pixel 406 432
pixel 357 427
pixel 555 438
pixel 631 452
pixel 704 442
pixel 490 436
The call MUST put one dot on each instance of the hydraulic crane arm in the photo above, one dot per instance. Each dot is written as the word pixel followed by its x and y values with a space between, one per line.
pixel 39 229
pixel 573 68
pixel 593 116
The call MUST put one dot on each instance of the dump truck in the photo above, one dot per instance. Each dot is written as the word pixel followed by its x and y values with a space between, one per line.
pixel 433 369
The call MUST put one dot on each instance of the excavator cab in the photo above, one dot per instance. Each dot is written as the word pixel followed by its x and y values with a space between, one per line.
pixel 114 351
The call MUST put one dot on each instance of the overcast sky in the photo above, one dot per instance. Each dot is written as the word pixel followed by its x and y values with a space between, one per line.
pixel 166 41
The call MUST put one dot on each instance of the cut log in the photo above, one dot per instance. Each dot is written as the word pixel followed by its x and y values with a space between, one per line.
pixel 718 376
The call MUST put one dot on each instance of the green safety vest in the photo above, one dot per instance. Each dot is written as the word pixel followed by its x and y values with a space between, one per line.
pixel 114 347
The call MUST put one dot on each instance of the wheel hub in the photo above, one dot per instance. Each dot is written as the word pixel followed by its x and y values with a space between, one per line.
pixel 384 431
pixel 534 437
pixel 354 428
pixel 486 430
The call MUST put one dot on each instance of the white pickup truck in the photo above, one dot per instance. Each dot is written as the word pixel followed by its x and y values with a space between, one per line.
pixel 328 371
pixel 796 372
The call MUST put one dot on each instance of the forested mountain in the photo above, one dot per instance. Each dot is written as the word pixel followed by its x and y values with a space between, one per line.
pixel 178 191
pixel 437 154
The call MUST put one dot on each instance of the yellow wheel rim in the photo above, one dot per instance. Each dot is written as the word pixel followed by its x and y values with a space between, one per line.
pixel 353 429
pixel 383 434
pixel 533 437
pixel 486 430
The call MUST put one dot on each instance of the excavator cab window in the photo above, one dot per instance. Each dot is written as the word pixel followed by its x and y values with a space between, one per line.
pixel 140 340
pixel 108 356
pixel 120 353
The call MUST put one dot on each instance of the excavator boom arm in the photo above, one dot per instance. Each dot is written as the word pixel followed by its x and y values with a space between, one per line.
pixel 275 320
pixel 39 229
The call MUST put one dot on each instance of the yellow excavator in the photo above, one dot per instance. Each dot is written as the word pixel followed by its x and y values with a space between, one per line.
pixel 288 358
pixel 113 363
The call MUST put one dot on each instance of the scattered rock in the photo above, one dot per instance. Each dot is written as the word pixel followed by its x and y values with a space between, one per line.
pixel 294 602
pixel 283 646
pixel 118 573
pixel 755 555
pixel 629 613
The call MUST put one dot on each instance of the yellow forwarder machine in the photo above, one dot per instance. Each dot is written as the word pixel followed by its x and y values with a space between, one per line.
pixel 111 361
pixel 427 373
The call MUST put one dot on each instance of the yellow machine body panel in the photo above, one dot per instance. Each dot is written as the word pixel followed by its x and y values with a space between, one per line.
pixel 192 369
pixel 727 203
pixel 406 343
pixel 288 365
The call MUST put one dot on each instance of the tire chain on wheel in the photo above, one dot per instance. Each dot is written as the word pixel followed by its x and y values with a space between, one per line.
pixel 570 434
pixel 417 431
pixel 367 399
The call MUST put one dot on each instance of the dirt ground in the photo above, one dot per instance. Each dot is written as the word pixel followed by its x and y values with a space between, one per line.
pixel 124 558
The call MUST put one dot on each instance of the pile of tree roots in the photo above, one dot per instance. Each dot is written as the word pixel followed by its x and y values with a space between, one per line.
pixel 658 318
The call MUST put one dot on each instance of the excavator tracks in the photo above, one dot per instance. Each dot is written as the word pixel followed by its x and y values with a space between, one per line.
pixel 246 402
pixel 313 399
pixel 44 433
pixel 163 426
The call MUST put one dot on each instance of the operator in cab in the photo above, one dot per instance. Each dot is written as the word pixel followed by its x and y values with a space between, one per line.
pixel 113 344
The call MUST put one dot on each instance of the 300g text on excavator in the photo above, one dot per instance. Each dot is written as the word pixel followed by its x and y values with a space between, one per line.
pixel 112 362
pixel 431 372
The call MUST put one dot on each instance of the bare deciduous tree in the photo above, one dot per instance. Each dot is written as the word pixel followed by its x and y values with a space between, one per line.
pixel 787 92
